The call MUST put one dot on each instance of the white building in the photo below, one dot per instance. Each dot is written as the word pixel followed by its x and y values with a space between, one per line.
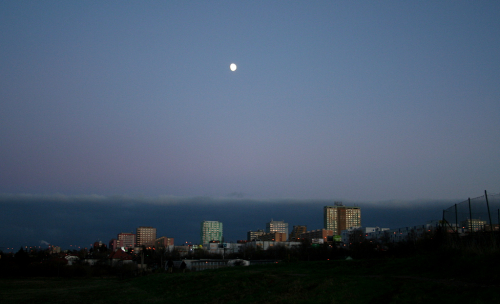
pixel 277 226
pixel 211 231
pixel 223 248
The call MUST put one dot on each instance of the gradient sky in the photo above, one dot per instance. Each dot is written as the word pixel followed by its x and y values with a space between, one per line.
pixel 356 100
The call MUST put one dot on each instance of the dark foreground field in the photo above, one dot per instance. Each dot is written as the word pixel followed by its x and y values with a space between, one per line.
pixel 402 280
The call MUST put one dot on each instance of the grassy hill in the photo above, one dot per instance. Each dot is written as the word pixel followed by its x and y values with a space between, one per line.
pixel 417 279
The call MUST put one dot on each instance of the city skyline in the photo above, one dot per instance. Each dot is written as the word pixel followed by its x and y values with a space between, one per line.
pixel 119 115
pixel 105 217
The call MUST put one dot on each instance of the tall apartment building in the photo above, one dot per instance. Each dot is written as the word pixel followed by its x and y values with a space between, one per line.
pixel 277 226
pixel 145 236
pixel 211 231
pixel 125 240
pixel 340 217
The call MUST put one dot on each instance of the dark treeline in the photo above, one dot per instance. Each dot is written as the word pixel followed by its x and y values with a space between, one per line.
pixel 439 247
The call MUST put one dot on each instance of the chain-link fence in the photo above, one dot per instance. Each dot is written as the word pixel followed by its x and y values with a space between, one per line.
pixel 475 214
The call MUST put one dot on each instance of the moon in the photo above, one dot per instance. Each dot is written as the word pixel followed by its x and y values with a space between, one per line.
pixel 233 67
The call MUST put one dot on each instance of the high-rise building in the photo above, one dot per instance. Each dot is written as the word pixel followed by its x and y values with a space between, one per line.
pixel 340 217
pixel 211 231
pixel 125 240
pixel 277 226
pixel 145 236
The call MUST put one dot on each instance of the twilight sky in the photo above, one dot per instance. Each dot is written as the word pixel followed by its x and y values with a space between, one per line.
pixel 345 100
pixel 355 100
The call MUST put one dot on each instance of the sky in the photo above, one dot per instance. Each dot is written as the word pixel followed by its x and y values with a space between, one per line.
pixel 360 101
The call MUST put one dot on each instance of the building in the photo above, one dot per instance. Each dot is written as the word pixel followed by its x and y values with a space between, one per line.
pixel 113 244
pixel 274 236
pixel 223 248
pixel 164 243
pixel 277 226
pixel 296 231
pixel 254 235
pixel 473 224
pixel 493 227
pixel 199 265
pixel 145 236
pixel 54 249
pixel 99 246
pixel 119 258
pixel 319 234
pixel 265 245
pixel 370 233
pixel 340 217
pixel 184 250
pixel 125 241
pixel 386 235
pixel 211 231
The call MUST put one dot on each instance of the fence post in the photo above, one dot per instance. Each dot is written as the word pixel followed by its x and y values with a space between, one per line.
pixel 489 214
pixel 445 223
pixel 456 218
pixel 470 218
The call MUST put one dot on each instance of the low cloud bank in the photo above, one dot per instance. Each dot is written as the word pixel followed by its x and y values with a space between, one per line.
pixel 64 220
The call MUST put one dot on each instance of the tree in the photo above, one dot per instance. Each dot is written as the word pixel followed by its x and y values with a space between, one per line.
pixel 21 257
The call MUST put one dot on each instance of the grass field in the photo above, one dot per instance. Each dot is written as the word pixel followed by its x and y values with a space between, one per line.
pixel 402 280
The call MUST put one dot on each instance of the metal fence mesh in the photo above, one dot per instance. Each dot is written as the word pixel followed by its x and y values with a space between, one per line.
pixel 474 214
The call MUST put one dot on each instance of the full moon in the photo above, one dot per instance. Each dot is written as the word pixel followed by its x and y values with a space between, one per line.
pixel 233 67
